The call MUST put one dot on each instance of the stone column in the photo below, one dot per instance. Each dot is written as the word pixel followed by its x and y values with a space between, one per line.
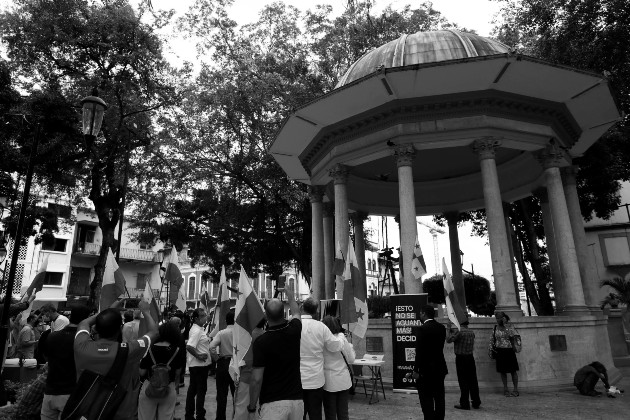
pixel 329 250
pixel 317 242
pixel 571 281
pixel 508 231
pixel 359 246
pixel 408 228
pixel 588 270
pixel 552 253
pixel 342 228
pixel 456 260
pixel 497 235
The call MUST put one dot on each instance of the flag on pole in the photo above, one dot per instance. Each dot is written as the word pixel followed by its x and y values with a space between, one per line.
pixel 354 300
pixel 148 297
pixel 454 310
pixel 249 312
pixel 339 265
pixel 418 266
pixel 38 281
pixel 221 307
pixel 204 299
pixel 113 282
pixel 181 301
pixel 173 276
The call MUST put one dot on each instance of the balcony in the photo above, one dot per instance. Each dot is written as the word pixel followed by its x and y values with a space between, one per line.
pixel 129 254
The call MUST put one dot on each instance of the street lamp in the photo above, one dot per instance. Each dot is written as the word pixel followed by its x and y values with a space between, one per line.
pixel 93 111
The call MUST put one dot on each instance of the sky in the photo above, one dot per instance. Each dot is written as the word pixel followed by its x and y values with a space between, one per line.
pixel 472 14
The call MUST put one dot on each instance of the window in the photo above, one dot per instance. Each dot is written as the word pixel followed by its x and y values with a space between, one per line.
pixel 191 287
pixel 141 282
pixel 86 234
pixel 615 248
pixel 59 245
pixel 53 279
pixel 146 246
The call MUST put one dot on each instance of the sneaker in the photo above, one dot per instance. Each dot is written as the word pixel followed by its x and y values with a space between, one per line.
pixel 461 407
pixel 594 393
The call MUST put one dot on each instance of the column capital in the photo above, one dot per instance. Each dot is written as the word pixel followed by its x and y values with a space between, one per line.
pixel 541 194
pixel 405 154
pixel 551 156
pixel 358 216
pixel 485 147
pixel 452 217
pixel 568 175
pixel 316 193
pixel 339 173
pixel 328 209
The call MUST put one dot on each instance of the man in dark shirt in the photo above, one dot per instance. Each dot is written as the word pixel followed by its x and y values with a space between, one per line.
pixel 587 377
pixel 59 351
pixel 276 366
pixel 430 367
pixel 464 346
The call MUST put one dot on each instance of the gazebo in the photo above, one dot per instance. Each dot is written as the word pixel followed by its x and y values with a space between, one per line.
pixel 443 122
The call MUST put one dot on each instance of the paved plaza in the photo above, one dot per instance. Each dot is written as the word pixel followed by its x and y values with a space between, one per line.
pixel 564 404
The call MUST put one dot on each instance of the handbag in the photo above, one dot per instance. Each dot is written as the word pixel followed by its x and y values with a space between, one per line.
pixel 492 347
pixel 517 344
pixel 97 397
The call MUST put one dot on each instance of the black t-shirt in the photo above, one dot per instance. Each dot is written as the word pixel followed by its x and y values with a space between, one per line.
pixel 278 351
pixel 59 351
pixel 162 354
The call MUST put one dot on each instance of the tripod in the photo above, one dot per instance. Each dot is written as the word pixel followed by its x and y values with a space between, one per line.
pixel 389 278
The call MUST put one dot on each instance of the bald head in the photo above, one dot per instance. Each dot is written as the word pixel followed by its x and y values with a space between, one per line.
pixel 274 310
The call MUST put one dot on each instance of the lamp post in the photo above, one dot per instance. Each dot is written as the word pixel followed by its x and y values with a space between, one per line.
pixel 93 112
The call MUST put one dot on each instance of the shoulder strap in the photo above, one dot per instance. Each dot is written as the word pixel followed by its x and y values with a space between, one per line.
pixel 152 357
pixel 347 365
pixel 494 334
pixel 173 356
pixel 115 372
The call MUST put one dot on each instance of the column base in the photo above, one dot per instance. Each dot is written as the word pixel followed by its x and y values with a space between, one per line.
pixel 573 310
pixel 512 311
pixel 595 310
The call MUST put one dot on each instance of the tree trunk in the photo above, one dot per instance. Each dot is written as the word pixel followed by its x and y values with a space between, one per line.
pixel 527 281
pixel 534 257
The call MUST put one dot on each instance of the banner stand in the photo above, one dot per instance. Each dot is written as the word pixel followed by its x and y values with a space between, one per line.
pixel 406 311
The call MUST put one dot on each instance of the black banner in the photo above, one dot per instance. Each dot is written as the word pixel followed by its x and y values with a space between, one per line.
pixel 405 318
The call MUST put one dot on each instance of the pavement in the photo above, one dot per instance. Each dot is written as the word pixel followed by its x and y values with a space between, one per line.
pixel 563 404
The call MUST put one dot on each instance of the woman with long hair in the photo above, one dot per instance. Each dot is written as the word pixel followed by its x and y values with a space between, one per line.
pixel 164 351
pixel 502 335
pixel 337 374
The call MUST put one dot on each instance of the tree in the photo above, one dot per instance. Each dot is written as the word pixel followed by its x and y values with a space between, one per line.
pixel 65 48
pixel 238 206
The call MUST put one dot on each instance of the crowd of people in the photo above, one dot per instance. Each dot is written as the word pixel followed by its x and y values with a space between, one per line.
pixel 293 369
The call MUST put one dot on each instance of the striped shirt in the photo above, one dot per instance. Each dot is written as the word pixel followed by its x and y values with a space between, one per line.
pixel 463 340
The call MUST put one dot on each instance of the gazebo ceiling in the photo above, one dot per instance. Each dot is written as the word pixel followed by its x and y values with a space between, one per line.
pixel 441 108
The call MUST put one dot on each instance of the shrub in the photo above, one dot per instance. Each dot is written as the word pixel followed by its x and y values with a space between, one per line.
pixel 378 306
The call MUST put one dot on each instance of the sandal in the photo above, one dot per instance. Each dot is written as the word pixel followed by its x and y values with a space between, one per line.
pixel 515 394
pixel 508 394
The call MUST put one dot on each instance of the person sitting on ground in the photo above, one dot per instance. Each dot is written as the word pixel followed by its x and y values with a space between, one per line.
pixel 587 377
pixel 50 314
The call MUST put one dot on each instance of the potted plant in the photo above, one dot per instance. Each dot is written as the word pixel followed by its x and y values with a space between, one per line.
pixel 620 292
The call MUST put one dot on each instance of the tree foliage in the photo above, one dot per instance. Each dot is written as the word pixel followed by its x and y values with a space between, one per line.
pixel 212 181
pixel 60 50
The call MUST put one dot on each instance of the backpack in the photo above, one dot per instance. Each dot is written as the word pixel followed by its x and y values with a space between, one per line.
pixel 97 397
pixel 158 378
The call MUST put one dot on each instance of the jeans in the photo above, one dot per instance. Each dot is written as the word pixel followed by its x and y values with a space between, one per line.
pixel 224 381
pixel 313 399
pixel 157 409
pixel 53 405
pixel 431 394
pixel 467 379
pixel 336 405
pixel 282 410
pixel 197 389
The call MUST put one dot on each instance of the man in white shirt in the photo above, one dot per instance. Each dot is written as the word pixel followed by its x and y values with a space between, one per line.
pixel 315 337
pixel 57 321
pixel 198 348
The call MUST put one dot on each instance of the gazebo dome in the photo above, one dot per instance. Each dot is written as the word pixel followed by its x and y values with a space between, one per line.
pixel 422 48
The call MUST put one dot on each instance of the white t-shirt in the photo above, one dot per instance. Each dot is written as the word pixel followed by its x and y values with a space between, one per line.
pixel 60 323
pixel 198 339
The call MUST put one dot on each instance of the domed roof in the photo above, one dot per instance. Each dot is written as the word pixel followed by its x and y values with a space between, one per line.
pixel 421 48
